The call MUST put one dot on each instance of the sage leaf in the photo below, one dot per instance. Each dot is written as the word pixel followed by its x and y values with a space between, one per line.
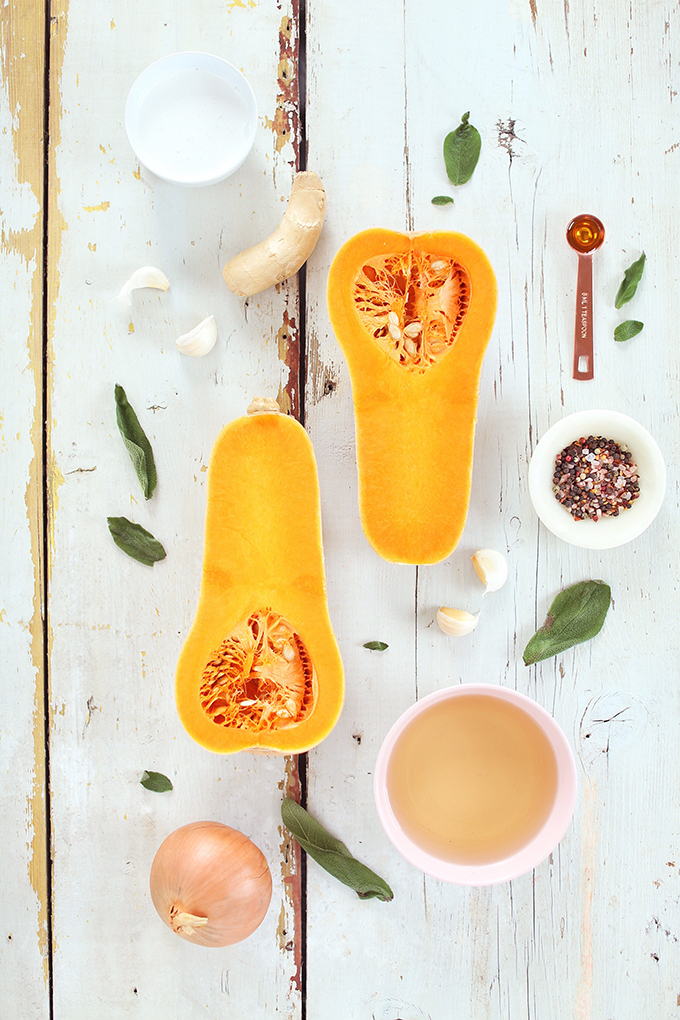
pixel 135 540
pixel 629 284
pixel 626 330
pixel 156 782
pixel 137 444
pixel 442 200
pixel 376 646
pixel 576 615
pixel 461 151
pixel 331 854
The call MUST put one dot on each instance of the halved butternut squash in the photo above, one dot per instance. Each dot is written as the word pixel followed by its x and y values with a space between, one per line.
pixel 260 668
pixel 413 314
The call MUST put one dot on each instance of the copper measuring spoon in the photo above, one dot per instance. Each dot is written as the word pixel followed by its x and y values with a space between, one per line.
pixel 585 234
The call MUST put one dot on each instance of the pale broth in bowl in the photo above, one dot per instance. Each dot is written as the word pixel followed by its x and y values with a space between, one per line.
pixel 472 779
pixel 475 784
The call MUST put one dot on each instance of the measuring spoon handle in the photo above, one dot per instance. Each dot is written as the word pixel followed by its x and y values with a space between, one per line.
pixel 583 328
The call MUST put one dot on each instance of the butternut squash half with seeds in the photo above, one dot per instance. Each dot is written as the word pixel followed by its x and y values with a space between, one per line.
pixel 413 314
pixel 261 669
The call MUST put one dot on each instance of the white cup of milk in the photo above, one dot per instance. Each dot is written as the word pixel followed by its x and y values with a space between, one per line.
pixel 191 118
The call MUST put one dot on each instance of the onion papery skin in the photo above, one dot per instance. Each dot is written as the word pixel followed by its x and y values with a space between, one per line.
pixel 209 870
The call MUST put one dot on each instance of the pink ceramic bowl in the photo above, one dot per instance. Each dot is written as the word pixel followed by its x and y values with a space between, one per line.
pixel 555 820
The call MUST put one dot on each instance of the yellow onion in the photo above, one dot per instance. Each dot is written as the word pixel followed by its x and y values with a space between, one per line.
pixel 210 884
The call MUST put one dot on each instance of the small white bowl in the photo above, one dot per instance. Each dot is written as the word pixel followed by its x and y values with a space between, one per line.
pixel 538 847
pixel 191 118
pixel 608 532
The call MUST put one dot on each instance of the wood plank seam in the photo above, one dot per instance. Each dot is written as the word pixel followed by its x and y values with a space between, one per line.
pixel 45 565
pixel 300 145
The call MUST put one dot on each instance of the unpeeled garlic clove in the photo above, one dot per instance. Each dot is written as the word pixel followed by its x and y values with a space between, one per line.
pixel 491 567
pixel 200 340
pixel 147 276
pixel 456 621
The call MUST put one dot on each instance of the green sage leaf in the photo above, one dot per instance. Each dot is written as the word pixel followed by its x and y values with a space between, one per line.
pixel 376 646
pixel 135 540
pixel 576 615
pixel 156 782
pixel 629 284
pixel 331 854
pixel 137 444
pixel 461 151
pixel 626 330
pixel 442 200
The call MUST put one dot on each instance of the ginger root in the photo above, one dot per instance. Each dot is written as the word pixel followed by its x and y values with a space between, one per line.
pixel 288 248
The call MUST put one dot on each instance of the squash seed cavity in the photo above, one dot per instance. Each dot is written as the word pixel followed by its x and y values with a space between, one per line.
pixel 413 304
pixel 261 677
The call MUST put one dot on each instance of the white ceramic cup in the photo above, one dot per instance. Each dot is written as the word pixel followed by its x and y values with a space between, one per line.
pixel 191 118
pixel 528 856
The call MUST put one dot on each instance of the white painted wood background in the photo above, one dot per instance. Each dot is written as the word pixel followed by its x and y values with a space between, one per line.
pixel 577 106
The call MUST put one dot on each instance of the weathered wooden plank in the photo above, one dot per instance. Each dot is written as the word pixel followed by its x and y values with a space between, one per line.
pixel 560 96
pixel 117 626
pixel 24 958
pixel 357 103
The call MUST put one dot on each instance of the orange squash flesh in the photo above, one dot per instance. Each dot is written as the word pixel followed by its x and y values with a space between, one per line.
pixel 262 555
pixel 433 294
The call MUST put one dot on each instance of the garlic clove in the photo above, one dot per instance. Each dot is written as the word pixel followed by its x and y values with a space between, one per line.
pixel 456 621
pixel 200 340
pixel 147 276
pixel 491 567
